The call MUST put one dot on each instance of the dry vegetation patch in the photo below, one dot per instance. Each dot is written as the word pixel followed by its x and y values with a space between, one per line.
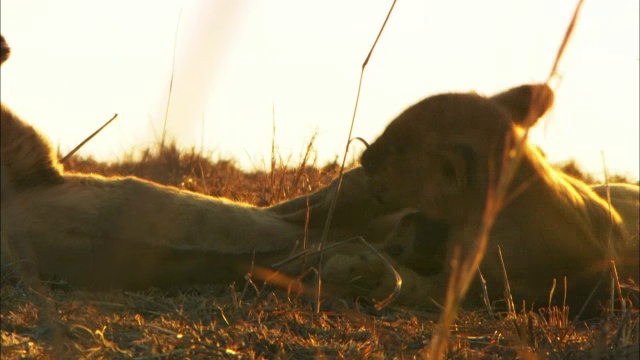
pixel 248 320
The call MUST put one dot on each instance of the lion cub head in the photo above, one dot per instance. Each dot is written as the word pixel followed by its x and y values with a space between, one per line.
pixel 433 156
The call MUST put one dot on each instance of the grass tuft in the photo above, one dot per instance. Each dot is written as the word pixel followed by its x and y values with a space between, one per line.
pixel 249 320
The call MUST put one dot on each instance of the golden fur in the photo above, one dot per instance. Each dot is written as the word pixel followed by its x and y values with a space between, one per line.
pixel 125 232
pixel 28 159
pixel 440 156
pixel 625 199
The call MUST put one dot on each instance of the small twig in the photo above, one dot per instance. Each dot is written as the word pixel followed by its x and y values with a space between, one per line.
pixel 610 207
pixel 507 288
pixel 248 279
pixel 565 41
pixel 485 293
pixel 553 289
pixel 497 193
pixel 588 300
pixel 307 218
pixel 564 302
pixel 87 139
pixel 616 286
pixel 297 175
pixel 273 153
pixel 358 138
pixel 173 70
pixel 610 249
pixel 162 330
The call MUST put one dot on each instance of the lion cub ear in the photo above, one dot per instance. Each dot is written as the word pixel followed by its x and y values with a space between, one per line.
pixel 519 101
pixel 5 50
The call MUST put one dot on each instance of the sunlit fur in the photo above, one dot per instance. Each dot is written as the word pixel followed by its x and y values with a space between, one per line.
pixel 429 183
pixel 441 155
pixel 125 232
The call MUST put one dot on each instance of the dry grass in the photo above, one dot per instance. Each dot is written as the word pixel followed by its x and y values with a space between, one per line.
pixel 193 170
pixel 247 320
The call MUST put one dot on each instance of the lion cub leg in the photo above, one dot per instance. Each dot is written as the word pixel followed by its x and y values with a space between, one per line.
pixel 363 273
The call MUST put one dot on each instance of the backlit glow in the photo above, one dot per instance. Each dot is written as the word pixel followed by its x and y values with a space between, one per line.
pixel 75 63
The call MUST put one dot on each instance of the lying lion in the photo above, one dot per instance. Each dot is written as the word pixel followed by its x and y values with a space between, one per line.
pixel 440 157
pixel 124 232
pixel 429 173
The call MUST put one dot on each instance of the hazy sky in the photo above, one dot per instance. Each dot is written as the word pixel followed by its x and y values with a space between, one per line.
pixel 76 63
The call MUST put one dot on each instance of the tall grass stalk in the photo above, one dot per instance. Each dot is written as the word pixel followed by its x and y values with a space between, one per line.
pixel 464 269
pixel 173 70
pixel 327 225
pixel 612 252
pixel 75 149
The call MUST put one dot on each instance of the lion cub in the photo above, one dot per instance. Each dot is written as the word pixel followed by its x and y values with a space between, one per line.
pixel 442 155
pixel 27 158
pixel 125 232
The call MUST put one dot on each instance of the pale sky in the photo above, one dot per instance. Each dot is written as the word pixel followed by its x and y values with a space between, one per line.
pixel 77 62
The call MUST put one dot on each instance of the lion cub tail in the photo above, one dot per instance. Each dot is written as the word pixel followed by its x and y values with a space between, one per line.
pixel 27 157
